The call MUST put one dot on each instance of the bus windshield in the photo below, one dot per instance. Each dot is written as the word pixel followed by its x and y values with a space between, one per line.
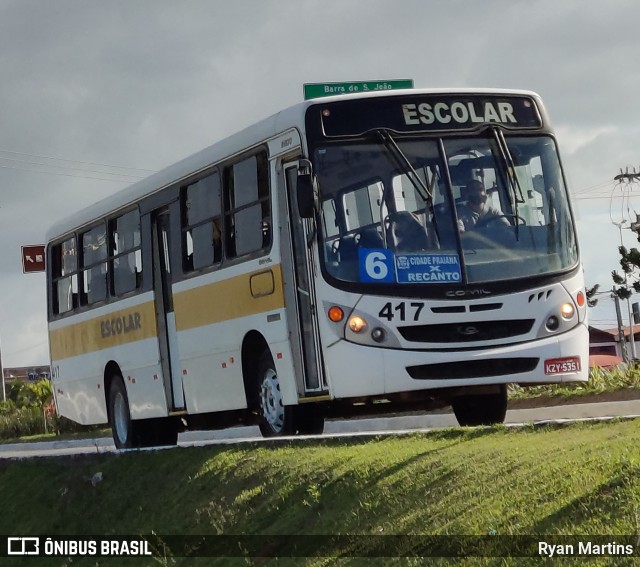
pixel 467 209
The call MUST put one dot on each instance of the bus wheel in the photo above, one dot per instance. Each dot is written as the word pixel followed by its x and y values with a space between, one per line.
pixel 122 426
pixel 481 409
pixel 275 418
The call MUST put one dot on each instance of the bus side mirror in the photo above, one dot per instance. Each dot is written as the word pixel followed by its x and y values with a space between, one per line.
pixel 305 195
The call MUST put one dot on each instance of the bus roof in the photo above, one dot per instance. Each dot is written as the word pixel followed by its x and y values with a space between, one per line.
pixel 291 117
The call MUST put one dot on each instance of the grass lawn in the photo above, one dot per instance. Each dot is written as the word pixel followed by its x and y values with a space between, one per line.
pixel 494 482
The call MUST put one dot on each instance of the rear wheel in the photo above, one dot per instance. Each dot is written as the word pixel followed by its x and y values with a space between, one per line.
pixel 122 426
pixel 481 409
pixel 129 433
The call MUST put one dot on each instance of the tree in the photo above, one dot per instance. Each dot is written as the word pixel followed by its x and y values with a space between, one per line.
pixel 33 394
pixel 630 264
pixel 592 301
pixel 42 392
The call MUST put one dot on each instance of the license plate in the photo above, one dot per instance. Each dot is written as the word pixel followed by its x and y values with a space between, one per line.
pixel 568 365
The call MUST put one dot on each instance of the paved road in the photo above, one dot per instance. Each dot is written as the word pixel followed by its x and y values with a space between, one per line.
pixel 371 426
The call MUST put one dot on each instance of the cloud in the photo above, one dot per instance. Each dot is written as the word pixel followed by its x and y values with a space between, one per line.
pixel 143 84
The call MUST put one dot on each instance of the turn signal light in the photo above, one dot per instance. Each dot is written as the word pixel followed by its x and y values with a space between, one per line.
pixel 580 299
pixel 335 314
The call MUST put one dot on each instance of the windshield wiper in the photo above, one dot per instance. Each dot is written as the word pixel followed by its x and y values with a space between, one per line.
pixel 403 163
pixel 512 177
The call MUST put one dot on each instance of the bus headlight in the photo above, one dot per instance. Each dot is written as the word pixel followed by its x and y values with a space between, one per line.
pixel 567 311
pixel 357 324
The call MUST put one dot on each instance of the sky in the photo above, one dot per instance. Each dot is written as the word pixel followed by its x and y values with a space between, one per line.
pixel 95 95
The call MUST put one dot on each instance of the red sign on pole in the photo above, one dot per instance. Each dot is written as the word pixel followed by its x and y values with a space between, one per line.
pixel 33 258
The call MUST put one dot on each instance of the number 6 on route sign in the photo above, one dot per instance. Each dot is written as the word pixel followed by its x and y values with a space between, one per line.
pixel 376 265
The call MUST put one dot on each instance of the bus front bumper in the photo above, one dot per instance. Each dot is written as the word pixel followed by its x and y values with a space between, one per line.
pixel 357 370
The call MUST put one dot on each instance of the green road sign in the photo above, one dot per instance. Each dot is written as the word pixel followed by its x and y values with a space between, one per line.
pixel 317 90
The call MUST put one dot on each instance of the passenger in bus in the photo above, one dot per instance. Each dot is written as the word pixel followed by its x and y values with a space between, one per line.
pixel 475 212
pixel 406 233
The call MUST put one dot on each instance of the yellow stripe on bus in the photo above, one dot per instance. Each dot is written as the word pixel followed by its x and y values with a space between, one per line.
pixel 240 296
pixel 229 299
pixel 117 328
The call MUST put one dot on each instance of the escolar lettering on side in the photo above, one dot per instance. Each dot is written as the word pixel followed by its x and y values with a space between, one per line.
pixel 120 325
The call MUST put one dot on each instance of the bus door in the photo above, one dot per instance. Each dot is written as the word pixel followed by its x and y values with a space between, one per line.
pixel 165 316
pixel 305 298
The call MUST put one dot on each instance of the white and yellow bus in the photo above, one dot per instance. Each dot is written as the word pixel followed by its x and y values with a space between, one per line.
pixel 319 264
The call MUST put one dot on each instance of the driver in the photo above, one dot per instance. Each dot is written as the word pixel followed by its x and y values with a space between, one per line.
pixel 476 211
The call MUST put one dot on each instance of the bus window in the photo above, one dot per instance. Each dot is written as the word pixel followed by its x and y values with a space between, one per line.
pixel 126 261
pixel 362 206
pixel 65 276
pixel 94 264
pixel 329 220
pixel 202 214
pixel 405 194
pixel 248 218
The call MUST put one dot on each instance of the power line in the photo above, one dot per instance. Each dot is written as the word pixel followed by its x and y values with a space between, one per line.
pixel 111 176
pixel 66 174
pixel 592 187
pixel 70 168
pixel 75 161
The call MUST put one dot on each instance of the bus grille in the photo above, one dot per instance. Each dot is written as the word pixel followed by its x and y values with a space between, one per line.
pixel 484 368
pixel 466 332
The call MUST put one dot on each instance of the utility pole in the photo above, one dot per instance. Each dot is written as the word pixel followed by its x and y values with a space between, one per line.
pixel 623 346
pixel 632 340
pixel 628 178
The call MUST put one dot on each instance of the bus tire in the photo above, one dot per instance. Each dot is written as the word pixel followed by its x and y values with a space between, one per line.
pixel 481 409
pixel 122 426
pixel 275 418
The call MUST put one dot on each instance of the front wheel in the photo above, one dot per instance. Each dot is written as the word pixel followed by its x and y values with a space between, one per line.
pixel 275 417
pixel 481 409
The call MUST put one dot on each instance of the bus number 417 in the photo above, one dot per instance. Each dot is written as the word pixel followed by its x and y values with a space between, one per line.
pixel 400 310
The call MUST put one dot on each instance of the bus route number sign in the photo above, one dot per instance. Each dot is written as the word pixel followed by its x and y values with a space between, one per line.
pixel 376 265
pixel 379 265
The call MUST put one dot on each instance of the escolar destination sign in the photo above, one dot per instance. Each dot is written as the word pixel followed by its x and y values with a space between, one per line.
pixel 317 90
pixel 424 112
